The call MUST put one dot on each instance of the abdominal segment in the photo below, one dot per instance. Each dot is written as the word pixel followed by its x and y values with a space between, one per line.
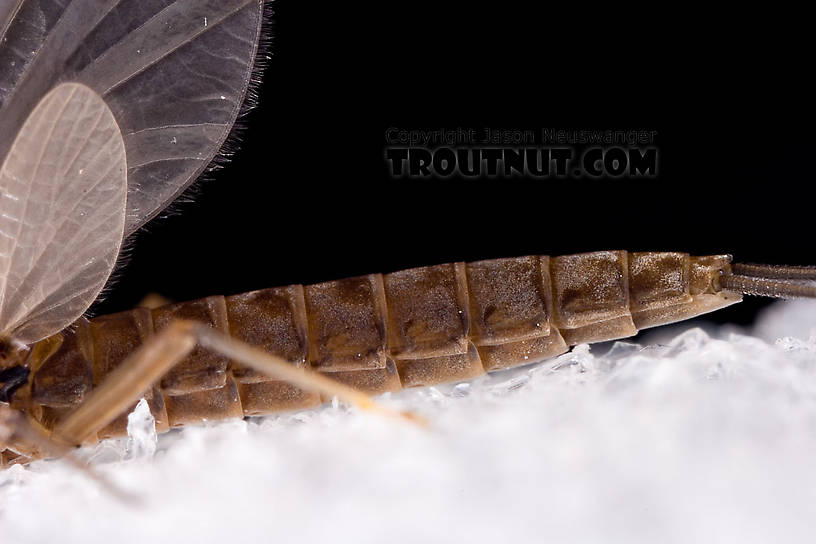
pixel 380 332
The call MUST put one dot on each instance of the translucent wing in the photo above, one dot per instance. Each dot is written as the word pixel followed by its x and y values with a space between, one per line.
pixel 174 73
pixel 63 188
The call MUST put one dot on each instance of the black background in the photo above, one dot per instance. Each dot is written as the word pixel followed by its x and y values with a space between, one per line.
pixel 308 196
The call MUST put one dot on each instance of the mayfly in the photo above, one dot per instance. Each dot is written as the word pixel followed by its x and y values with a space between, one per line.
pixel 108 110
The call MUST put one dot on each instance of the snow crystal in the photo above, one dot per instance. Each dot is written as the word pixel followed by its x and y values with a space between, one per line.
pixel 680 436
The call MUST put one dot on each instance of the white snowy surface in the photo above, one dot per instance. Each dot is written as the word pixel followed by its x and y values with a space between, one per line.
pixel 686 436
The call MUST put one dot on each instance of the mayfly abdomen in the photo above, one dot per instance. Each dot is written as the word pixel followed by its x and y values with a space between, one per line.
pixel 382 332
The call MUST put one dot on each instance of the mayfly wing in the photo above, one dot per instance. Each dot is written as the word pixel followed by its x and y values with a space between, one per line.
pixel 174 73
pixel 63 188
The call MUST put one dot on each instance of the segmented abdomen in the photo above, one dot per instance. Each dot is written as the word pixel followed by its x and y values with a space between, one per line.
pixel 380 332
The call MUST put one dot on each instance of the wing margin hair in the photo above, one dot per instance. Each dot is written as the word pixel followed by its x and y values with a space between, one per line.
pixel 174 72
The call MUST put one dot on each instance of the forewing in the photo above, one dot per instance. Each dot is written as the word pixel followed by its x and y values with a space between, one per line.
pixel 63 188
pixel 174 73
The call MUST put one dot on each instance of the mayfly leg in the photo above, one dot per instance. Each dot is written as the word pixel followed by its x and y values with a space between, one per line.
pixel 157 356
pixel 32 441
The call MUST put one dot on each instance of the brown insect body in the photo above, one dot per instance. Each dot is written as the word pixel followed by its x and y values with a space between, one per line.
pixel 378 332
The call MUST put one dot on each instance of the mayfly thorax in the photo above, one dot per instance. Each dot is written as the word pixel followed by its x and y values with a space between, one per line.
pixel 108 111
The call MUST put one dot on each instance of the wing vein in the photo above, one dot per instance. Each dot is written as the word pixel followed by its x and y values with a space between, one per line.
pixel 12 252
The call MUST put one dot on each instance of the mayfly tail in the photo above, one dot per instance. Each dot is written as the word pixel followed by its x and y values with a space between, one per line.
pixel 771 281
pixel 775 272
